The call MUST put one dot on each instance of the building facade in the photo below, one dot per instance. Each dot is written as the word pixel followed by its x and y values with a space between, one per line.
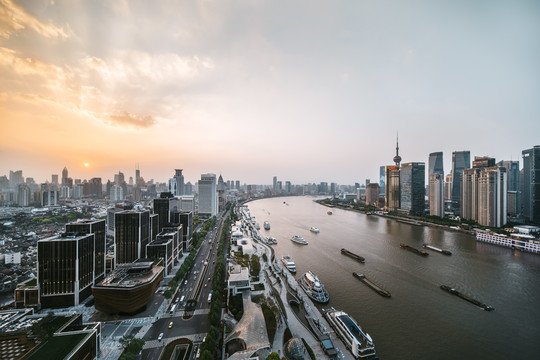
pixel 98 228
pixel 392 195
pixel 65 269
pixel 131 235
pixel 372 194
pixel 412 187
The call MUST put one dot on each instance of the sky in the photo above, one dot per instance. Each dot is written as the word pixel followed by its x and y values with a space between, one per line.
pixel 307 91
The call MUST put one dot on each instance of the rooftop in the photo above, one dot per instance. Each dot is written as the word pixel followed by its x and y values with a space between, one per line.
pixel 130 275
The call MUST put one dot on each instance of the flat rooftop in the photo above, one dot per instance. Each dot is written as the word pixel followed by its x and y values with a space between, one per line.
pixel 130 275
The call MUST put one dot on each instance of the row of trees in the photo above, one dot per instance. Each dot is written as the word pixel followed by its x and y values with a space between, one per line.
pixel 210 348
pixel 198 237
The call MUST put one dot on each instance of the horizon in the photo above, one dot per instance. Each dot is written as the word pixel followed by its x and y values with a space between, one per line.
pixel 307 92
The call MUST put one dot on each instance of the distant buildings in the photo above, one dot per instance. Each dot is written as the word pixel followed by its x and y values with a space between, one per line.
pixel 208 201
pixel 176 184
pixel 392 196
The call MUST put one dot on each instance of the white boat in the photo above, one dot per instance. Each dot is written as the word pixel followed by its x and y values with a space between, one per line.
pixel 289 263
pixel 314 230
pixel 299 240
pixel 314 287
pixel 359 343
pixel 266 225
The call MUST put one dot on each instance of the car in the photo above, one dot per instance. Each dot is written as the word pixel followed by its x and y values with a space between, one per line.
pixel 185 282
pixel 205 285
pixel 171 324
pixel 160 337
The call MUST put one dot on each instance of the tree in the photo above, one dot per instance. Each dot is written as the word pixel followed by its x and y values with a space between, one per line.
pixel 125 340
pixel 135 346
pixel 207 355
pixel 273 356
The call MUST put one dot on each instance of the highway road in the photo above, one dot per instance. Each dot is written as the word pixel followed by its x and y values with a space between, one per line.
pixel 197 285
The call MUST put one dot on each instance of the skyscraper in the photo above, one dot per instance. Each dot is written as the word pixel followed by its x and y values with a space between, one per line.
pixel 208 202
pixel 163 206
pixel 460 160
pixel 65 176
pixel 98 228
pixel 382 179
pixel 531 184
pixel 274 184
pixel 514 186
pixel 179 180
pixel 412 187
pixel 436 195
pixel 65 269
pixel 436 165
pixel 372 194
pixel 131 235
pixel 391 196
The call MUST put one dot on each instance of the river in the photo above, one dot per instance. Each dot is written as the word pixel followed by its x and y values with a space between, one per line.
pixel 419 321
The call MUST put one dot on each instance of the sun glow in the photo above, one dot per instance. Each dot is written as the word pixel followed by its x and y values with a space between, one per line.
pixel 86 164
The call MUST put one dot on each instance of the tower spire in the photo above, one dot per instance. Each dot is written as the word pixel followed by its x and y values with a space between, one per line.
pixel 397 158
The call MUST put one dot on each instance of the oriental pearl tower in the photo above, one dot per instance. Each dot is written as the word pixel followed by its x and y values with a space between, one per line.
pixel 397 158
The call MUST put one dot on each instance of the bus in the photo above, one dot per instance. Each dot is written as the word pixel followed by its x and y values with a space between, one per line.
pixel 173 308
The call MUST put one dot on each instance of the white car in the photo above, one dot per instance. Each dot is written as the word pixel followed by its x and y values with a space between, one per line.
pixel 160 337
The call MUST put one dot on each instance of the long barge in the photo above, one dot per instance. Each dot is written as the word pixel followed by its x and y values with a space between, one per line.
pixel 414 250
pixel 444 252
pixel 467 298
pixel 353 255
pixel 379 290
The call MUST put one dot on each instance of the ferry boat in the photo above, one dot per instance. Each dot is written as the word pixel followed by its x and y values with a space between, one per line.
pixel 359 343
pixel 314 230
pixel 266 225
pixel 299 240
pixel 444 252
pixel 314 288
pixel 289 263
pixel 515 241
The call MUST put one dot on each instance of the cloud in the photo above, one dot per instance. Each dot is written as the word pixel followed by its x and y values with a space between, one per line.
pixel 14 17
pixel 130 120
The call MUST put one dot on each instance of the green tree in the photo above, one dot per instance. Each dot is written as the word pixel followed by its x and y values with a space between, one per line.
pixel 207 355
pixel 125 340
pixel 135 346
pixel 273 356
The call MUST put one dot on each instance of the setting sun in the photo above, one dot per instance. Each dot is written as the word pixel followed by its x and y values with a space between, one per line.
pixel 86 164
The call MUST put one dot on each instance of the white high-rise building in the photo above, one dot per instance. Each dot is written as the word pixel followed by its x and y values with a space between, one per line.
pixel 436 195
pixel 117 193
pixel 187 203
pixel 208 200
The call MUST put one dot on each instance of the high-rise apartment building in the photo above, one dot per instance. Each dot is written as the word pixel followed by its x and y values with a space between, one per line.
pixel 98 228
pixel 514 186
pixel 484 195
pixel 65 269
pixel 436 195
pixel 178 183
pixel 531 184
pixel 208 201
pixel 460 160
pixel 372 194
pixel 483 161
pixel 412 187
pixel 131 235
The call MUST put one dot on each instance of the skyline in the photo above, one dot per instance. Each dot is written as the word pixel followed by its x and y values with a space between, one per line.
pixel 307 92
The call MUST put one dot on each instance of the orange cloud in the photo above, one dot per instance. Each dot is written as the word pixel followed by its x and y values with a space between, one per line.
pixel 130 120
pixel 14 17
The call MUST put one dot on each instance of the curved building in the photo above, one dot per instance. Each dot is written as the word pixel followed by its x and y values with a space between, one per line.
pixel 129 288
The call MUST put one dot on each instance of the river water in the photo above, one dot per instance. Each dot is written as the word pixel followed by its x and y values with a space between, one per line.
pixel 419 321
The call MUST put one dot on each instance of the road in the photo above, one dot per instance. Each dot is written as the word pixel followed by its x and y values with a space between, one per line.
pixel 197 285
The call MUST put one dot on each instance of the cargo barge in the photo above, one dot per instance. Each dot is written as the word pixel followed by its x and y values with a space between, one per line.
pixel 465 297
pixel 416 251
pixel 379 290
pixel 444 252
pixel 353 255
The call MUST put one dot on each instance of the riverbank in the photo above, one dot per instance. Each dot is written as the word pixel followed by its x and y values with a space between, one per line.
pixel 403 219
